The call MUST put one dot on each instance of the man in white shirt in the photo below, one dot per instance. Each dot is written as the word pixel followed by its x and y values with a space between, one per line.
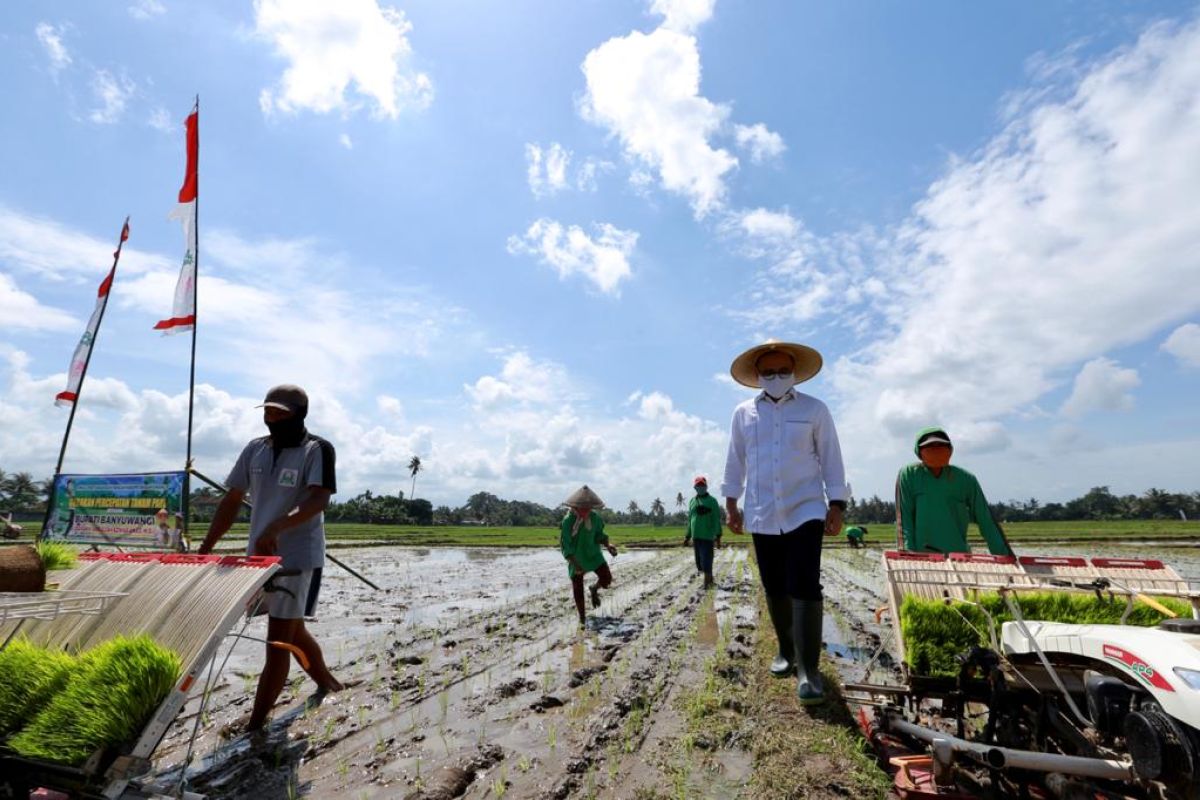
pixel 785 458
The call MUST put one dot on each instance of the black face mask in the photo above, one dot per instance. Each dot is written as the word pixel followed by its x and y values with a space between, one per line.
pixel 288 432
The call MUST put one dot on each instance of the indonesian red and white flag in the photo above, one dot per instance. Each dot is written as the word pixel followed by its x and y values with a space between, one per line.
pixel 183 313
pixel 83 350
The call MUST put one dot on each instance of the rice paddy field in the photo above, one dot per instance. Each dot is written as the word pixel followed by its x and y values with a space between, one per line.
pixel 362 534
pixel 467 674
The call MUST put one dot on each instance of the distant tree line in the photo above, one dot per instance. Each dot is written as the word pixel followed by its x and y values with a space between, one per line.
pixel 1098 504
pixel 24 496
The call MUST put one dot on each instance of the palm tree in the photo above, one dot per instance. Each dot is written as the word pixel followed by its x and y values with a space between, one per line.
pixel 414 466
pixel 679 500
pixel 634 511
pixel 21 491
pixel 658 511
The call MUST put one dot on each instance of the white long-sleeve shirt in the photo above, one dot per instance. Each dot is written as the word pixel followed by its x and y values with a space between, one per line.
pixel 786 459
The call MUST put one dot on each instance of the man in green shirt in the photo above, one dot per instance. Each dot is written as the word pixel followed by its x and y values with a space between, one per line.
pixel 581 537
pixel 855 535
pixel 704 528
pixel 935 501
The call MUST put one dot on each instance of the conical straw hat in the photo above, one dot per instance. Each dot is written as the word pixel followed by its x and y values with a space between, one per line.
pixel 583 497
pixel 808 362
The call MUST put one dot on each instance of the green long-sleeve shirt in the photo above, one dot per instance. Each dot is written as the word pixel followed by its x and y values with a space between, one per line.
pixel 932 513
pixel 704 518
pixel 585 545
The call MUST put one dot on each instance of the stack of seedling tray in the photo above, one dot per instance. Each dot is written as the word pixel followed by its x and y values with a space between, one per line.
pixel 186 604
pixel 926 593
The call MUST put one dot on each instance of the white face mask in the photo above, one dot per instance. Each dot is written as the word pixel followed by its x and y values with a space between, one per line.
pixel 777 385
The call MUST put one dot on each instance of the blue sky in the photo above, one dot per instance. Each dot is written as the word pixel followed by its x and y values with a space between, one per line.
pixel 525 240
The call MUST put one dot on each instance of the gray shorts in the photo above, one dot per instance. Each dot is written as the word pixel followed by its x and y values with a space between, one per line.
pixel 295 596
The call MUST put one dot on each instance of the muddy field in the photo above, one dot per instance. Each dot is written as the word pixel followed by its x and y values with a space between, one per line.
pixel 470 678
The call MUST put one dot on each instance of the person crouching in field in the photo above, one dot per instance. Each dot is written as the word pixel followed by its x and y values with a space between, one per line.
pixel 704 528
pixel 855 536
pixel 582 537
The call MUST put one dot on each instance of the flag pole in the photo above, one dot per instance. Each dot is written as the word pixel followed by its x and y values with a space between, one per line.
pixel 187 489
pixel 62 451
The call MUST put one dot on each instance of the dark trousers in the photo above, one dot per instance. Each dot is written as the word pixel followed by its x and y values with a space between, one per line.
pixel 603 580
pixel 704 555
pixel 789 564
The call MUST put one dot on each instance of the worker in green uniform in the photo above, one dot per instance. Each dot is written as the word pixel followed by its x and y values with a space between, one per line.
pixel 703 528
pixel 935 501
pixel 582 537
pixel 855 534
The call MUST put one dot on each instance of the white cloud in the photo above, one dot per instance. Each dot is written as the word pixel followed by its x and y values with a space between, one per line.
pixel 20 310
pixel 54 252
pixel 1015 268
pixel 160 119
pixel 521 380
pixel 683 15
pixel 345 141
pixel 602 259
pixel 318 328
pixel 530 438
pixel 1184 344
pixel 645 89
pixel 762 144
pixel 340 56
pixel 1101 385
pixel 113 93
pixel 390 406
pixel 145 9
pixel 586 177
pixel 51 39
pixel 546 168
pixel 763 228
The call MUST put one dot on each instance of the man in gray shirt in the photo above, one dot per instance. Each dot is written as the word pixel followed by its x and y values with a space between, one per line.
pixel 290 477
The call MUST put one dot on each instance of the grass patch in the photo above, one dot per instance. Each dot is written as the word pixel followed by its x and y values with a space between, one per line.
pixel 803 753
pixel 29 677
pixel 361 534
pixel 936 632
pixel 56 555
pixel 112 691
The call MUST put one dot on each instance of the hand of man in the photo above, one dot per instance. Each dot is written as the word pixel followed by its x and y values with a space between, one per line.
pixel 735 516
pixel 612 551
pixel 268 541
pixel 833 521
pixel 686 541
pixel 717 543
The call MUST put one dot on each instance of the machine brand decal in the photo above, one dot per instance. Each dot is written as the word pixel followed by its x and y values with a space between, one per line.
pixel 1137 667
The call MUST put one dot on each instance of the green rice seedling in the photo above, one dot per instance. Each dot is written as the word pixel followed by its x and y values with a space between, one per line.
pixel 936 632
pixel 524 764
pixel 29 677
pixel 552 737
pixel 115 688
pixel 500 785
pixel 56 555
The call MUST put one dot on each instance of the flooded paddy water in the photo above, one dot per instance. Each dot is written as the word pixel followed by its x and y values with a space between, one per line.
pixel 469 677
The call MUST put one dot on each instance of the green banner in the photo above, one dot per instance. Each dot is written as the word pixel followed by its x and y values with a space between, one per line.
pixel 144 510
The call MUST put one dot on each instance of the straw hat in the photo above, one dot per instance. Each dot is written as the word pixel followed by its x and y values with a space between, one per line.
pixel 808 362
pixel 583 497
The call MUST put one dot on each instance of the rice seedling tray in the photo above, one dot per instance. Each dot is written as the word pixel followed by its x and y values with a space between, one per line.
pixel 967 576
pixel 50 605
pixel 186 603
